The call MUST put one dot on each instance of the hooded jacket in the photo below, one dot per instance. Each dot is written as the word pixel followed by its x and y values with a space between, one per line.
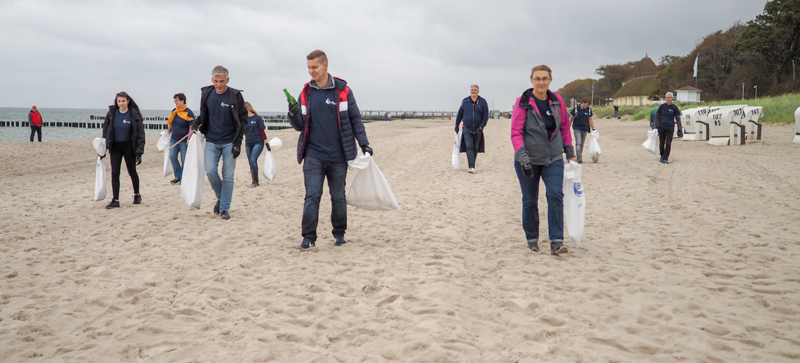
pixel 474 114
pixel 238 113
pixel 529 135
pixel 137 129
pixel 351 128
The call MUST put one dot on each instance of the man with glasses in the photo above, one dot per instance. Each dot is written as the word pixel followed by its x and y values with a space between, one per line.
pixel 474 111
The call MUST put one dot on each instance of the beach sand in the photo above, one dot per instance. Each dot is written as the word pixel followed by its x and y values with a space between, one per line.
pixel 696 261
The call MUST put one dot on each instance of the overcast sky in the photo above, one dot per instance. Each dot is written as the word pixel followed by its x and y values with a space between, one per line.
pixel 406 54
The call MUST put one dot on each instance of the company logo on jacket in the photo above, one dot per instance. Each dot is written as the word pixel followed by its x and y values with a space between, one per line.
pixel 126 121
pixel 549 113
pixel 223 104
pixel 329 102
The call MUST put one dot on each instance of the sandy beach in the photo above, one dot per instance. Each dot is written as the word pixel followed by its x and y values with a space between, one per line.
pixel 696 261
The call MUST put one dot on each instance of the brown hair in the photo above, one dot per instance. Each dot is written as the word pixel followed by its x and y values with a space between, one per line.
pixel 542 68
pixel 250 108
pixel 323 58
pixel 131 103
pixel 180 96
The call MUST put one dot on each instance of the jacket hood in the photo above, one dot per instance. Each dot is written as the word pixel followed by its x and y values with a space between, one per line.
pixel 525 99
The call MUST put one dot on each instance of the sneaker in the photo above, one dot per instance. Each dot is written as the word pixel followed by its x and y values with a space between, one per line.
pixel 533 246
pixel 339 241
pixel 216 208
pixel 471 170
pixel 225 215
pixel 307 244
pixel 175 181
pixel 113 204
pixel 557 247
pixel 595 158
pixel 580 160
pixel 137 199
pixel 666 161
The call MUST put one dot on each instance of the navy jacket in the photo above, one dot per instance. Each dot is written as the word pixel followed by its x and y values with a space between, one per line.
pixel 238 113
pixel 667 116
pixel 474 114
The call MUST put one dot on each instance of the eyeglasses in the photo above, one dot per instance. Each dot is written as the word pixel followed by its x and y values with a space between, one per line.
pixel 541 80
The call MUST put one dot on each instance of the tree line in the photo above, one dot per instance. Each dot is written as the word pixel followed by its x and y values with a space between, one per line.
pixel 763 53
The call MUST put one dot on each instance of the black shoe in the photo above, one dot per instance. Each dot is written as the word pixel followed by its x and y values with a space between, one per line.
pixel 225 215
pixel 307 244
pixel 113 204
pixel 580 160
pixel 216 208
pixel 557 247
pixel 339 241
pixel 137 199
pixel 533 246
pixel 175 181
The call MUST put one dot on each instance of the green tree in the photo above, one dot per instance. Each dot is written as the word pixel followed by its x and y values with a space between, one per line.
pixel 578 89
pixel 775 35
pixel 612 77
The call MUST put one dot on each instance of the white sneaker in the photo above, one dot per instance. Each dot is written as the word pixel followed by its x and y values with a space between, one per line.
pixel 472 170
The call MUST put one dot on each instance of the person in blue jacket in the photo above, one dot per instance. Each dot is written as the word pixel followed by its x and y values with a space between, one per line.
pixel 582 123
pixel 179 122
pixel 474 112
pixel 667 116
pixel 255 140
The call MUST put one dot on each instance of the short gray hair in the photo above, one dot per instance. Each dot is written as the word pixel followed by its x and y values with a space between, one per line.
pixel 475 85
pixel 219 71
pixel 669 94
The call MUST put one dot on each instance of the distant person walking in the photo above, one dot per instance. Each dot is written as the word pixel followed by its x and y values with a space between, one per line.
pixel 35 121
pixel 179 122
pixel 256 141
pixel 667 116
pixel 330 125
pixel 123 130
pixel 616 111
pixel 540 136
pixel 474 112
pixel 581 125
pixel 223 119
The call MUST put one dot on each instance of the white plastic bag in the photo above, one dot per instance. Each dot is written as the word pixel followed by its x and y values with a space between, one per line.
pixel 370 190
pixel 167 163
pixel 163 142
pixel 275 144
pixel 651 144
pixel 457 151
pixel 99 144
pixel 194 171
pixel 574 202
pixel 270 168
pixel 594 146
pixel 100 180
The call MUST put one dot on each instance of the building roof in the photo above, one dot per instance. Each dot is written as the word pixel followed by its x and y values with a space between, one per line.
pixel 645 68
pixel 689 88
pixel 643 86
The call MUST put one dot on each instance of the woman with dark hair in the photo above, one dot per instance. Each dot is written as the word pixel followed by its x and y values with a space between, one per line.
pixel 540 135
pixel 123 130
pixel 256 140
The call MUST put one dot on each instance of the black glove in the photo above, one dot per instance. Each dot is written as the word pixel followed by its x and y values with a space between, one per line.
pixel 480 129
pixel 294 109
pixel 235 151
pixel 456 128
pixel 138 159
pixel 266 145
pixel 680 133
pixel 527 170
pixel 367 150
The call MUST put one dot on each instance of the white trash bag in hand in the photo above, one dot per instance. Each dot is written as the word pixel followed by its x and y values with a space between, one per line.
pixel 270 167
pixel 651 144
pixel 574 202
pixel 194 171
pixel 100 170
pixel 594 146
pixel 163 141
pixel 370 190
pixel 457 151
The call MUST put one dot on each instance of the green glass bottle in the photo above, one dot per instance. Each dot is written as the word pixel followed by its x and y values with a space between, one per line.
pixel 289 98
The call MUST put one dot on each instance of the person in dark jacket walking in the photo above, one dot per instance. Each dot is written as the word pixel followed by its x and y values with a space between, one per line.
pixel 474 112
pixel 35 121
pixel 582 123
pixel 330 124
pixel 540 136
pixel 256 141
pixel 179 122
pixel 223 119
pixel 667 116
pixel 123 130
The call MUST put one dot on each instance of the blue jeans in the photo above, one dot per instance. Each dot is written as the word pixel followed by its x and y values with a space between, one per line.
pixel 253 152
pixel 553 177
pixel 473 144
pixel 314 173
pixel 223 188
pixel 173 157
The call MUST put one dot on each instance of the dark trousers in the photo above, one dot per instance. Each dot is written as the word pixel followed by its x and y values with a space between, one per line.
pixel 665 142
pixel 553 178
pixel 120 150
pixel 36 130
pixel 473 143
pixel 314 173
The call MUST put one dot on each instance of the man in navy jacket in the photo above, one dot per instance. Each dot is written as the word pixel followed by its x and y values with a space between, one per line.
pixel 667 116
pixel 474 111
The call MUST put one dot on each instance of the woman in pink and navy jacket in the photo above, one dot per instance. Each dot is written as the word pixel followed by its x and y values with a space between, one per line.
pixel 540 135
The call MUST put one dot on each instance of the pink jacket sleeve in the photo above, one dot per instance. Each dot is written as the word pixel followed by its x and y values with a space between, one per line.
pixel 518 115
pixel 566 135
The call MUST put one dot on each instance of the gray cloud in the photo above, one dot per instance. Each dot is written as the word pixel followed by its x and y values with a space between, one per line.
pixel 396 55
